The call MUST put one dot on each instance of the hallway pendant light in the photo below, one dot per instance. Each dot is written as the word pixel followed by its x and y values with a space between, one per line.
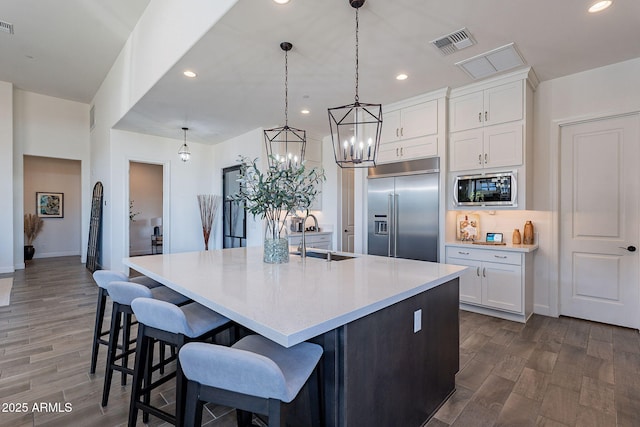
pixel 184 152
pixel 285 145
pixel 355 128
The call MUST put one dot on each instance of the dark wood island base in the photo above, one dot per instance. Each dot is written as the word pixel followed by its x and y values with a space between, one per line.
pixel 378 372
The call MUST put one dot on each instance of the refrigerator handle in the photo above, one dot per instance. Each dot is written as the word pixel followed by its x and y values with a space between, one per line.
pixel 390 219
pixel 395 225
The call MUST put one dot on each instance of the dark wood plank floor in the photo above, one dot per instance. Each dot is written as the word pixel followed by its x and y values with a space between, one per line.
pixel 551 372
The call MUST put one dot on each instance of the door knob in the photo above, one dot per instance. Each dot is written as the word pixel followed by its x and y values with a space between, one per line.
pixel 629 248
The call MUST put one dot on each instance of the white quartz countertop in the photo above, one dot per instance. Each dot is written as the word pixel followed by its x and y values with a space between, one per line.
pixel 508 247
pixel 293 302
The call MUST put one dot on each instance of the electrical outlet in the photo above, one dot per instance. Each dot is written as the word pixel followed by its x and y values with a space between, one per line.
pixel 417 320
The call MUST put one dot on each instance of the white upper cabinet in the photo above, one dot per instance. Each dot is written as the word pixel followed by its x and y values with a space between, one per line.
pixel 496 105
pixel 409 132
pixel 492 147
pixel 410 122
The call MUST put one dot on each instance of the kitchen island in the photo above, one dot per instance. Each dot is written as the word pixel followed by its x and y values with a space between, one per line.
pixel 389 326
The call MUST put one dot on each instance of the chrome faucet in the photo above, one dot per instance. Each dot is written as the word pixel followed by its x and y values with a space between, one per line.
pixel 303 243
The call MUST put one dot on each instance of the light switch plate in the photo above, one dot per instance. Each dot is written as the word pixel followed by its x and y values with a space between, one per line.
pixel 417 320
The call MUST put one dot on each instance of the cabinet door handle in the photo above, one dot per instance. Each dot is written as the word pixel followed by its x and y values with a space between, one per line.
pixel 397 155
pixel 401 131
pixel 501 256
pixel 463 253
pixel 485 158
pixel 486 116
pixel 479 159
pixel 478 271
pixel 484 272
pixel 401 151
pixel 397 132
pixel 480 117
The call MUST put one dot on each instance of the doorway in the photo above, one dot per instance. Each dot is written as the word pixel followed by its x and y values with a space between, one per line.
pixel 234 215
pixel 145 208
pixel 599 211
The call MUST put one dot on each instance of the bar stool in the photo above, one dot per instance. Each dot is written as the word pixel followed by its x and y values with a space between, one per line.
pixel 168 324
pixel 254 375
pixel 122 294
pixel 103 277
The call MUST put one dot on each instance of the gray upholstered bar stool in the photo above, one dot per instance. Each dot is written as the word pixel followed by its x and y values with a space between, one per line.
pixel 102 278
pixel 168 324
pixel 122 294
pixel 255 375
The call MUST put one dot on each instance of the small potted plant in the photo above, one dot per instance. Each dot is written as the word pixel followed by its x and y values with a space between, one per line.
pixel 32 227
pixel 273 195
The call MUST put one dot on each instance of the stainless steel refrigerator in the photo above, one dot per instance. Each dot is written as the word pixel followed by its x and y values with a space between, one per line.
pixel 403 209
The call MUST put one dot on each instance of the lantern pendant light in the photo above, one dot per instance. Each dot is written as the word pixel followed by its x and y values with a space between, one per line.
pixel 184 152
pixel 355 128
pixel 285 145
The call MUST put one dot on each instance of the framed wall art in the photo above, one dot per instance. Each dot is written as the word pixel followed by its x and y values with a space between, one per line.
pixel 50 205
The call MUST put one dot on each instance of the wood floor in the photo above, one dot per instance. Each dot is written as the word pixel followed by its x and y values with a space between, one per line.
pixel 551 372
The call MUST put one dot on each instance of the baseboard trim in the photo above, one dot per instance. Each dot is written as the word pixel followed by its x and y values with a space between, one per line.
pixel 9 269
pixel 56 254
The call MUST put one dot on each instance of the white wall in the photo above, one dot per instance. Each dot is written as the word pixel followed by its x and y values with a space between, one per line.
pixel 165 32
pixel 49 127
pixel 7 215
pixel 59 236
pixel 182 182
pixel 610 90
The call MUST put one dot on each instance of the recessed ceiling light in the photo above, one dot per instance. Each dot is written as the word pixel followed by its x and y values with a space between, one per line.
pixel 401 77
pixel 599 6
pixel 305 111
pixel 189 73
pixel 281 1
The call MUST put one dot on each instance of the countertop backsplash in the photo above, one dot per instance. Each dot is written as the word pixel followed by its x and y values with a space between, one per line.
pixel 502 221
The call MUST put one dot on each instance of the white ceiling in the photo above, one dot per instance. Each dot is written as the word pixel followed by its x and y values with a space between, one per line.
pixel 240 83
pixel 64 48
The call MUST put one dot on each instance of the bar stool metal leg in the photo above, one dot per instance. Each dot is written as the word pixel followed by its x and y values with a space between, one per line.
pixel 116 318
pixel 97 330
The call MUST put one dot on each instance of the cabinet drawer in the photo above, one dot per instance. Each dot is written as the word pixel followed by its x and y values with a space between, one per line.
pixel 310 239
pixel 504 257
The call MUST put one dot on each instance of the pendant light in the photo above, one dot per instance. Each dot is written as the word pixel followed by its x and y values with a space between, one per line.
pixel 285 145
pixel 355 128
pixel 184 152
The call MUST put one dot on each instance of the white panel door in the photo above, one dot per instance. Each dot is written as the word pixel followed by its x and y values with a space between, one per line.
pixel 599 192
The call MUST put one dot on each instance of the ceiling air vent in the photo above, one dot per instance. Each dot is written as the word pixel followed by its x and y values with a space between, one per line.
pixel 454 42
pixel 6 27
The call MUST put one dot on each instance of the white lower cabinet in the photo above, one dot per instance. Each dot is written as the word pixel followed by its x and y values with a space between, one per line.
pixel 313 240
pixel 498 282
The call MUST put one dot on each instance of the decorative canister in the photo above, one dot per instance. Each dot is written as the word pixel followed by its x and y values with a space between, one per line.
pixel 528 233
pixel 517 238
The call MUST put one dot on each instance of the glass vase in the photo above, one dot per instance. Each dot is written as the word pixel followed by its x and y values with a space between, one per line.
pixel 276 243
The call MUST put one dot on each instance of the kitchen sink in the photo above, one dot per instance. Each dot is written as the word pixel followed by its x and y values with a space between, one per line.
pixel 324 255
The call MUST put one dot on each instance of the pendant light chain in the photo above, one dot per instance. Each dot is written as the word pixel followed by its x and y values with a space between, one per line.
pixel 357 58
pixel 286 87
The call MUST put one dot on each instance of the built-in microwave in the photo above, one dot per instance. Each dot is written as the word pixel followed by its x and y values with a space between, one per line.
pixel 490 189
